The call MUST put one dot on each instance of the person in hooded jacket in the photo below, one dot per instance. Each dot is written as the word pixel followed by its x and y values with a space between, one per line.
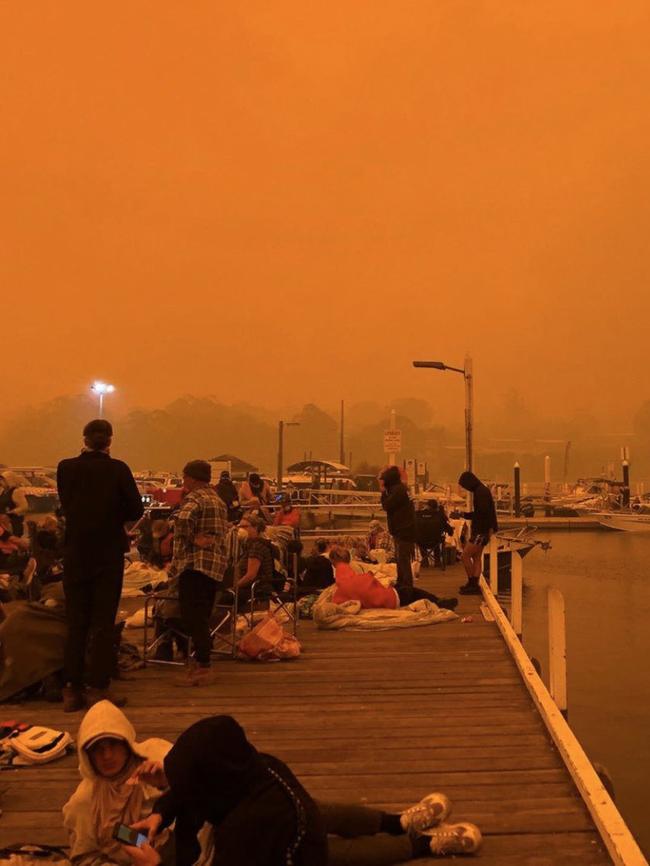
pixel 108 757
pixel 260 814
pixel 484 524
pixel 396 502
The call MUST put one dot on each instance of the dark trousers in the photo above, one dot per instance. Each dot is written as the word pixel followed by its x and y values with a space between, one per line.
pixel 409 594
pixel 404 551
pixel 196 595
pixel 92 587
pixel 355 837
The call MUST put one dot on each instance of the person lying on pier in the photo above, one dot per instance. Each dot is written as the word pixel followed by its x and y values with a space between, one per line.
pixel 259 814
pixel 371 592
pixel 108 757
pixel 484 524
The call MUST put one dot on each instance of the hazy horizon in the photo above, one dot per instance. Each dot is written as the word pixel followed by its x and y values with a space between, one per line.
pixel 278 205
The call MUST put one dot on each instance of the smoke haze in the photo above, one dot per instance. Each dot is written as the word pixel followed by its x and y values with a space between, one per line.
pixel 283 203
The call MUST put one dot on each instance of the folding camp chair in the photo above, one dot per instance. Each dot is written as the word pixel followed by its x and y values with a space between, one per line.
pixel 285 597
pixel 170 632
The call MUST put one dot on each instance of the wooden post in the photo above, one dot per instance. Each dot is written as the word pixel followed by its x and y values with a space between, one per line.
pixel 494 565
pixel 557 649
pixel 517 490
pixel 342 435
pixel 547 486
pixel 516 593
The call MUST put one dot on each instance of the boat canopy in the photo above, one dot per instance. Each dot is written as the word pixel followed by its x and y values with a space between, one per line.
pixel 319 467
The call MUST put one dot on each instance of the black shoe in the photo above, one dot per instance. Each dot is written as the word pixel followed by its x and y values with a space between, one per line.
pixel 448 603
pixel 470 588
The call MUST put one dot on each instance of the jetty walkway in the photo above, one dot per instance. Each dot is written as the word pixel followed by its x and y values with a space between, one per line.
pixel 378 718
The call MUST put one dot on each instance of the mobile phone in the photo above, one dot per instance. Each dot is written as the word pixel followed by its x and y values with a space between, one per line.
pixel 127 836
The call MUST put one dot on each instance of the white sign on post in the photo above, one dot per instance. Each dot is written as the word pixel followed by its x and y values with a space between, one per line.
pixel 422 468
pixel 392 441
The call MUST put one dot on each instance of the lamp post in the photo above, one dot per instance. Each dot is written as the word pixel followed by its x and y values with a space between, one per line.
pixel 102 388
pixel 468 374
pixel 281 426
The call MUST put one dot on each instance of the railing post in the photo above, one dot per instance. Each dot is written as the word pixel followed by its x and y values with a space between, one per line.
pixel 557 649
pixel 494 565
pixel 516 593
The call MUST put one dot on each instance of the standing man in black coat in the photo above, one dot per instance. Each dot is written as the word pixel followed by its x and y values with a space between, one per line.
pixel 396 502
pixel 98 496
pixel 484 523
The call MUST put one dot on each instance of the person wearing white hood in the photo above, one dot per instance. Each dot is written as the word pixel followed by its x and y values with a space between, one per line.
pixel 108 757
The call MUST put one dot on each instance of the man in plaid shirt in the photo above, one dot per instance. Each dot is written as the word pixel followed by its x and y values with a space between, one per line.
pixel 199 560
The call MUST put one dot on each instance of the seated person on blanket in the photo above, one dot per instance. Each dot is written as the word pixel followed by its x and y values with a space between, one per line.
pixel 319 571
pixel 108 757
pixel 258 814
pixel 379 538
pixel 370 592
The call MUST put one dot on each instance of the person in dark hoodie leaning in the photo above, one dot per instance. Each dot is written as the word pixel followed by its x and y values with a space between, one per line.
pixel 396 502
pixel 98 496
pixel 484 524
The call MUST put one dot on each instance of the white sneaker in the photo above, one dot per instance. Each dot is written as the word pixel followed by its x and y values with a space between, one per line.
pixel 429 812
pixel 461 838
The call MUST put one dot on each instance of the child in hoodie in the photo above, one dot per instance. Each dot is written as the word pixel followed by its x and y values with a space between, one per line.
pixel 108 757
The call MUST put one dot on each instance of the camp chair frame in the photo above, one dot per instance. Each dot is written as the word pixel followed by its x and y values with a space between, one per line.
pixel 224 642
pixel 149 649
pixel 261 593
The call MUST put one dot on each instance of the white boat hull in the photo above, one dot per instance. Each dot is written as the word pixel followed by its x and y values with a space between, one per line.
pixel 626 522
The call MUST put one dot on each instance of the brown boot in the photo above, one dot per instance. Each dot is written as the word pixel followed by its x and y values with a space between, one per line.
pixel 94 695
pixel 73 699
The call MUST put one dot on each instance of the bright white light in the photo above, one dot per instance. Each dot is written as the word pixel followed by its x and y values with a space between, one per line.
pixel 102 388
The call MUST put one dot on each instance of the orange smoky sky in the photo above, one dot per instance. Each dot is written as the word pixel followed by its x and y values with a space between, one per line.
pixel 287 202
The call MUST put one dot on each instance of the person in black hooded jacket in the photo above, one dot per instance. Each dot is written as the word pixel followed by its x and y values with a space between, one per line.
pixel 396 502
pixel 484 524
pixel 262 816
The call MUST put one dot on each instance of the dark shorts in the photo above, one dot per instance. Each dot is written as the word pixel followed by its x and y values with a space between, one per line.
pixel 480 540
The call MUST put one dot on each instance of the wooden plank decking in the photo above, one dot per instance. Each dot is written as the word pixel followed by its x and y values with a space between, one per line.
pixel 380 718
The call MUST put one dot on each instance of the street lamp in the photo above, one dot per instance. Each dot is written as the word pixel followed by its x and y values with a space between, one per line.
pixel 281 426
pixel 102 388
pixel 468 375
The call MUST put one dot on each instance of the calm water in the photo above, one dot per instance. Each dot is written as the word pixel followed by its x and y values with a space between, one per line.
pixel 605 579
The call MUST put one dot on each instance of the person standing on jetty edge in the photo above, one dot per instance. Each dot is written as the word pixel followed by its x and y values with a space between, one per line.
pixel 199 561
pixel 484 523
pixel 396 502
pixel 98 496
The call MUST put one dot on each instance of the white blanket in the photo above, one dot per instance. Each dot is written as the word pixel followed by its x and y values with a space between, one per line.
pixel 328 615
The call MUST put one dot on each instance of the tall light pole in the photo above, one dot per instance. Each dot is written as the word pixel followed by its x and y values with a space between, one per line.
pixel 102 388
pixel 281 426
pixel 468 374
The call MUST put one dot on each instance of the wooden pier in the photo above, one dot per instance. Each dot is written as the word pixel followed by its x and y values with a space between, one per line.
pixel 378 718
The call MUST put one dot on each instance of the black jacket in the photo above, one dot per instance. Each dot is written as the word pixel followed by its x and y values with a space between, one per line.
pixel 430 527
pixel 259 810
pixel 400 512
pixel 484 515
pixel 98 496
pixel 319 573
